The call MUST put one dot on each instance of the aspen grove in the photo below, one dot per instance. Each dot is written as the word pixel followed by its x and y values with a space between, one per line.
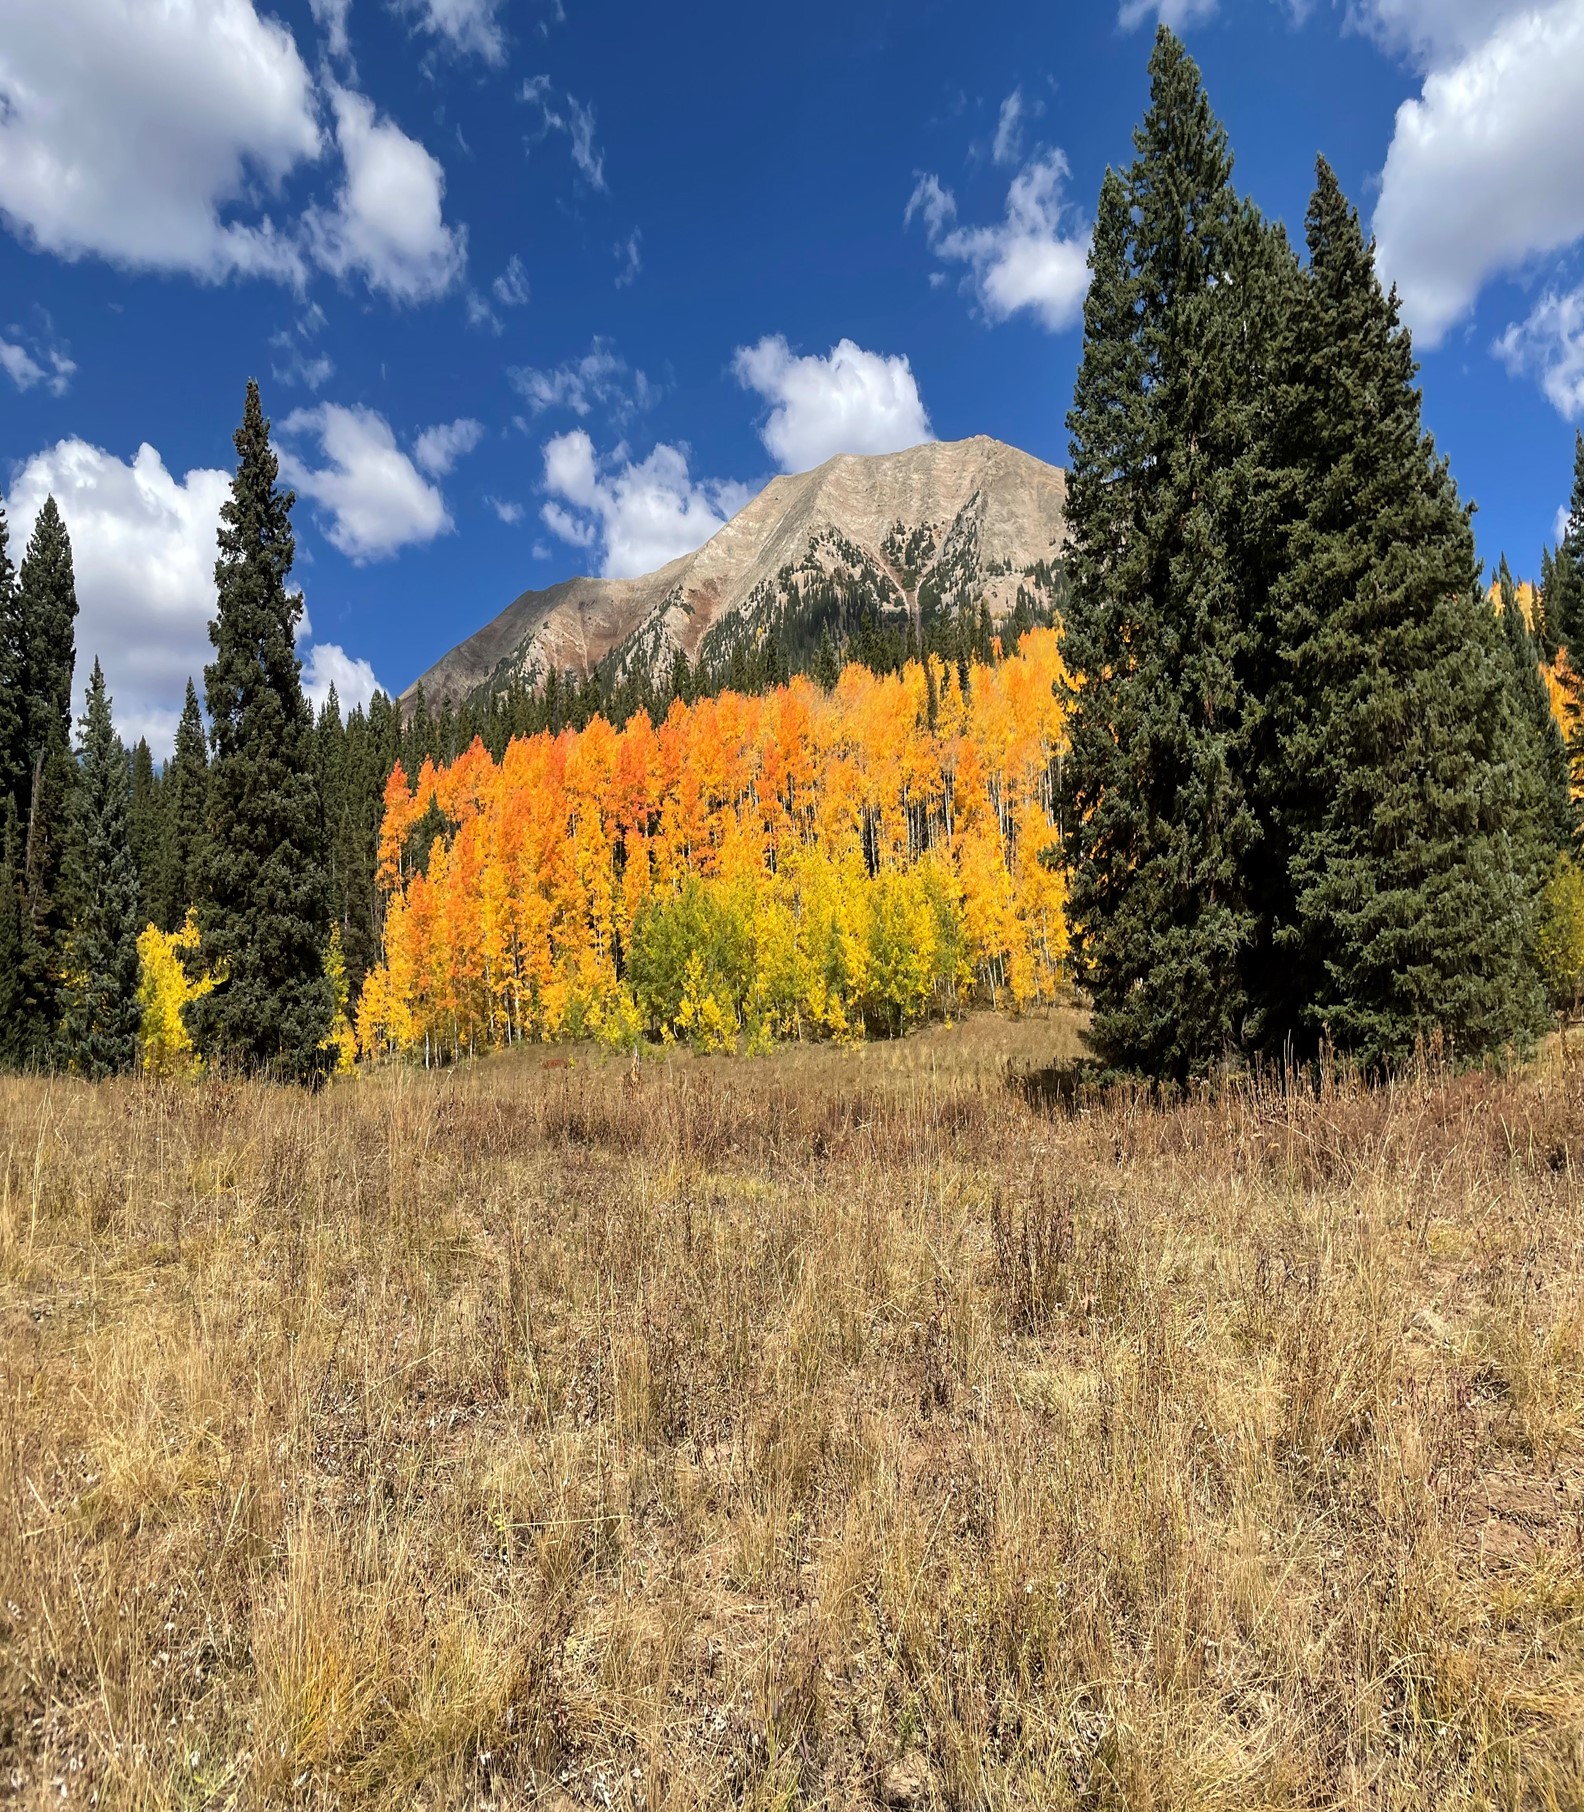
pixel 798 863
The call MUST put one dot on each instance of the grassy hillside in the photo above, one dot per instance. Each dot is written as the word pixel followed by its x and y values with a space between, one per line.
pixel 820 1430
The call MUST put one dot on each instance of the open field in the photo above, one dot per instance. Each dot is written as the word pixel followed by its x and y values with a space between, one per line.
pixel 817 1430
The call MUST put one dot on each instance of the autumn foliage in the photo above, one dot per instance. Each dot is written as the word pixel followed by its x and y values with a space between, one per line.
pixel 797 864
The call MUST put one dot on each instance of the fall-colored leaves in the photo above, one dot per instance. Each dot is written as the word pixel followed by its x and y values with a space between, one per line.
pixel 799 863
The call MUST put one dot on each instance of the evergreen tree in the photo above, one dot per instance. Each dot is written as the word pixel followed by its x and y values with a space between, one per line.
pixel 13 758
pixel 1564 586
pixel 1542 750
pixel 146 828
pixel 184 800
pixel 43 657
pixel 13 1009
pixel 46 648
pixel 1158 826
pixel 1412 895
pixel 264 912
pixel 100 1031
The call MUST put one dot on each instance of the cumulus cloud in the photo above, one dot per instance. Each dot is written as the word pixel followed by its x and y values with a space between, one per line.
pixel 850 401
pixel 1178 14
pixel 438 449
pixel 600 379
pixel 1429 31
pixel 570 117
pixel 376 499
pixel 1035 258
pixel 1486 166
pixel 328 664
pixel 387 223
pixel 470 27
pixel 143 131
pixel 640 514
pixel 510 513
pixel 1549 345
pixel 143 549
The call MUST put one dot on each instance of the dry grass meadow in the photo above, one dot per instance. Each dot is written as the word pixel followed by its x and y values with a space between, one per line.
pixel 821 1430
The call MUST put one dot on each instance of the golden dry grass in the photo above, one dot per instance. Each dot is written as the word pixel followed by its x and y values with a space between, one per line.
pixel 798 1432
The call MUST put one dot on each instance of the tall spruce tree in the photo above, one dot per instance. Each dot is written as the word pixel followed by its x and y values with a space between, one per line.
pixel 264 912
pixel 1413 895
pixel 46 616
pixel 184 789
pixel 146 827
pixel 13 758
pixel 1564 581
pixel 1541 749
pixel 102 1014
pixel 46 623
pixel 1158 827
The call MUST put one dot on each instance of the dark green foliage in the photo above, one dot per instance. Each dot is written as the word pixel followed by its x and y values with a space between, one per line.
pixel 1308 792
pixel 1542 751
pixel 1563 584
pixel 146 828
pixel 1158 825
pixel 46 615
pixel 25 1028
pixel 1411 839
pixel 264 909
pixel 13 760
pixel 184 799
pixel 100 1028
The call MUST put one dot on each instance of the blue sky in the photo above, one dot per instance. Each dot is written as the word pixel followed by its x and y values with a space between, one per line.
pixel 536 287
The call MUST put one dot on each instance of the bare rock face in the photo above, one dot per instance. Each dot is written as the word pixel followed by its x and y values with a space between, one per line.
pixel 944 525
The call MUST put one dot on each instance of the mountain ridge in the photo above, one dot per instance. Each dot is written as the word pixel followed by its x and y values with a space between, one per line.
pixel 893 537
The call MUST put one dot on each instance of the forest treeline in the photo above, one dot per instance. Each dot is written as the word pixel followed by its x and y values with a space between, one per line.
pixel 1289 778
pixel 799 863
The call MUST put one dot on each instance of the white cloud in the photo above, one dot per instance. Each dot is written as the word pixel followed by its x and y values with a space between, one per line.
pixel 331 18
pixel 143 551
pixel 293 365
pixel 629 258
pixel 376 498
pixel 642 514
pixel 28 361
pixel 510 513
pixel 1007 146
pixel 146 131
pixel 438 449
pixel 1178 14
pixel 1550 345
pixel 468 26
pixel 571 118
pixel 600 379
pixel 851 401
pixel 510 288
pixel 388 222
pixel 1430 31
pixel 1036 258
pixel 328 664
pixel 1486 167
